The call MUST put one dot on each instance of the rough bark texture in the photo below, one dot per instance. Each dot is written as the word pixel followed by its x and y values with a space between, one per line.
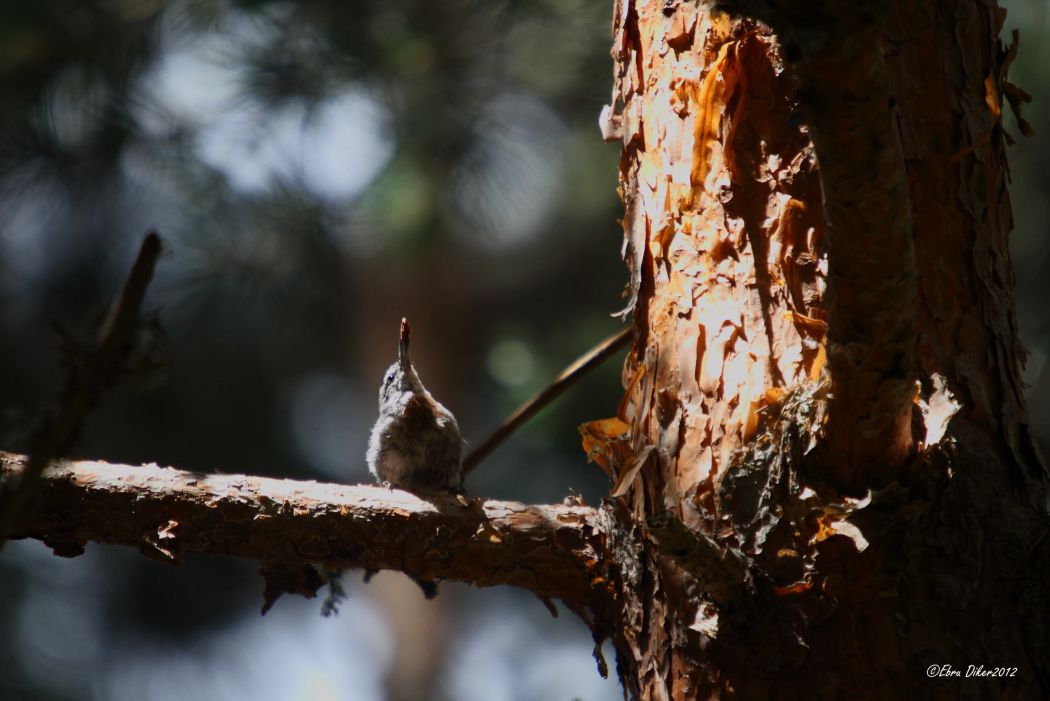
pixel 816 224
pixel 297 530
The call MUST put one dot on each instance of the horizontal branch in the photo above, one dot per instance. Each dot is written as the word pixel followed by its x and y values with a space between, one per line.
pixel 553 551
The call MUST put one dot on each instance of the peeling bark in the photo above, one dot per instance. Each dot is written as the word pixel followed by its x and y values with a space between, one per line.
pixel 815 230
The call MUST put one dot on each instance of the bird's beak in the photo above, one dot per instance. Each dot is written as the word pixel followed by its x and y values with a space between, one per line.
pixel 402 348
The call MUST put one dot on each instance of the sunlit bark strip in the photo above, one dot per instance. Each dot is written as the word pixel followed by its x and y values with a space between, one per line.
pixel 553 551
pixel 725 237
pixel 834 51
pixel 725 244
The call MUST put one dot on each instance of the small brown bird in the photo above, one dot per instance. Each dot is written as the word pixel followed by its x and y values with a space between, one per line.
pixel 415 444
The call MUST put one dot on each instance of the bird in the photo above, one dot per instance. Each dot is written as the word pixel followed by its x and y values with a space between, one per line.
pixel 415 444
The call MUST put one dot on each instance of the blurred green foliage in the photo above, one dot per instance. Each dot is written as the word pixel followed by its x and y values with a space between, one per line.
pixel 317 170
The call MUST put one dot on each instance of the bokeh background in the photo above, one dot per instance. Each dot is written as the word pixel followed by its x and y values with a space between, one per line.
pixel 318 170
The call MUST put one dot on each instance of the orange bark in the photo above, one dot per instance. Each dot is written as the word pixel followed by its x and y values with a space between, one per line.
pixel 815 228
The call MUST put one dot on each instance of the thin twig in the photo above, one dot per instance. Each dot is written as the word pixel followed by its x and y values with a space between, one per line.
pixel 93 370
pixel 584 364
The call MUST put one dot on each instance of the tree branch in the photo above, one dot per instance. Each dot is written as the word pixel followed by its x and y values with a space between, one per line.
pixel 94 368
pixel 569 376
pixel 289 526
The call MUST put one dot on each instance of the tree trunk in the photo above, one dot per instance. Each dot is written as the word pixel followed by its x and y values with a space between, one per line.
pixel 816 223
